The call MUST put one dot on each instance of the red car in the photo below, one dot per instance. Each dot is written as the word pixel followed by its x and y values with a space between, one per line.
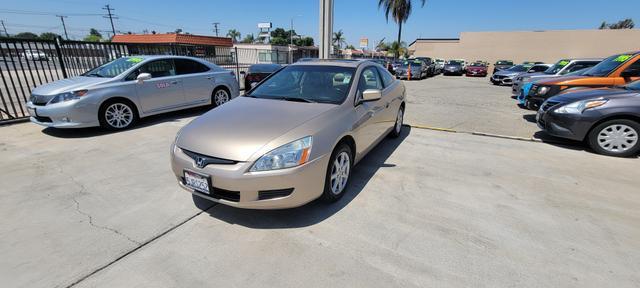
pixel 477 69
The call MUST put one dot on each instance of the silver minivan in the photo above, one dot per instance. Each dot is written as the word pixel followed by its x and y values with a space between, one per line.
pixel 118 93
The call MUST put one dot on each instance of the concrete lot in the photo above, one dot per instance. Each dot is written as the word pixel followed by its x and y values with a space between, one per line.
pixel 430 209
pixel 468 104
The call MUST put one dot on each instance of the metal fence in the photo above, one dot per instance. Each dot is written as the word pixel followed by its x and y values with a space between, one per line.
pixel 27 63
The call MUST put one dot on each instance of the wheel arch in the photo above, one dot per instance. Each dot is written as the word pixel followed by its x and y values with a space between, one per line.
pixel 349 141
pixel 631 117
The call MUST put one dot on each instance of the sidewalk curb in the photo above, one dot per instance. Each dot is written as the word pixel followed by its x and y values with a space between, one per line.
pixel 527 139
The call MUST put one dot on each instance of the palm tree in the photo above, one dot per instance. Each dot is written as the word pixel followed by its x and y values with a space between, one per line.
pixel 248 38
pixel 398 49
pixel 234 35
pixel 399 10
pixel 338 39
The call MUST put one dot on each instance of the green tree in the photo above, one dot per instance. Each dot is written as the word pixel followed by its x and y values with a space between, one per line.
pixel 622 24
pixel 48 36
pixel 26 35
pixel 280 37
pixel 178 31
pixel 303 41
pixel 338 39
pixel 398 49
pixel 248 38
pixel 234 35
pixel 350 47
pixel 94 36
pixel 399 10
pixel 382 46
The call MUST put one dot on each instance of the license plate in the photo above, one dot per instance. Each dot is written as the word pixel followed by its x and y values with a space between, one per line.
pixel 32 111
pixel 198 182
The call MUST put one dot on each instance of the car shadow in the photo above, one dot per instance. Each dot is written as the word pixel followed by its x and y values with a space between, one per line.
pixel 531 118
pixel 142 123
pixel 560 142
pixel 316 211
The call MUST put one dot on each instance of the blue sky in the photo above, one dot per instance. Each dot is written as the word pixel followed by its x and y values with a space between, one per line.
pixel 356 18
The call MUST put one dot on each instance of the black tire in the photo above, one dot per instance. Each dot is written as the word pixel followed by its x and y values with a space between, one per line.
pixel 530 105
pixel 109 124
pixel 396 131
pixel 328 195
pixel 202 203
pixel 214 98
pixel 625 151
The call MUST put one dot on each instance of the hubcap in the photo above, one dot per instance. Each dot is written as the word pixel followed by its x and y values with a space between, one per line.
pixel 118 115
pixel 617 138
pixel 399 120
pixel 221 97
pixel 340 173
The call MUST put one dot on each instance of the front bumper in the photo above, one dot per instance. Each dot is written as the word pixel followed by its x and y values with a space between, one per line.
pixel 569 126
pixel 246 188
pixel 477 73
pixel 71 114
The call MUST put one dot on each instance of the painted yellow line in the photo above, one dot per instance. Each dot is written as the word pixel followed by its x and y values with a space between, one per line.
pixel 529 139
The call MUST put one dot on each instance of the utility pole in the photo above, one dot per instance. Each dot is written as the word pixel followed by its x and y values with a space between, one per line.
pixel 215 27
pixel 66 36
pixel 110 16
pixel 291 33
pixel 326 28
pixel 4 28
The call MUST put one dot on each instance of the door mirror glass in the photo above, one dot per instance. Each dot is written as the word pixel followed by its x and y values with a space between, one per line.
pixel 371 95
pixel 142 77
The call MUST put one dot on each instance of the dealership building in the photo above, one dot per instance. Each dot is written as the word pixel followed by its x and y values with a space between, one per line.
pixel 519 46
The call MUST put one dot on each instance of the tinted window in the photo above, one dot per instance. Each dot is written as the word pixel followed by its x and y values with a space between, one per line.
pixel 539 68
pixel 326 84
pixel 387 78
pixel 159 68
pixel 504 63
pixel 518 68
pixel 369 79
pixel 634 69
pixel 608 65
pixel 264 68
pixel 186 66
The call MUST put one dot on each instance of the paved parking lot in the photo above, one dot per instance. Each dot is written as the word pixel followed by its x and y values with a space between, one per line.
pixel 94 209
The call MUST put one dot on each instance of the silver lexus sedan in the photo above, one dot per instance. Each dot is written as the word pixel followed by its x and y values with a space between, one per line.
pixel 292 139
pixel 120 92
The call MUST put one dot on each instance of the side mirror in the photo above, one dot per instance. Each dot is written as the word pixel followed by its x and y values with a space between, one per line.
pixel 142 77
pixel 371 95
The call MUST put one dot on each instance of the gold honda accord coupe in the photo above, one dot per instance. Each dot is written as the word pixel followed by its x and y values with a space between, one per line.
pixel 293 138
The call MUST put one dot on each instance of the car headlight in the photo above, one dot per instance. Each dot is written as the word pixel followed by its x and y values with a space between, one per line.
pixel 580 106
pixel 289 155
pixel 543 90
pixel 67 96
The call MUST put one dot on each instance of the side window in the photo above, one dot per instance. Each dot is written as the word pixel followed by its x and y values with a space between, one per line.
pixel 539 68
pixel 387 78
pixel 159 68
pixel 133 75
pixel 186 66
pixel 576 67
pixel 634 69
pixel 369 79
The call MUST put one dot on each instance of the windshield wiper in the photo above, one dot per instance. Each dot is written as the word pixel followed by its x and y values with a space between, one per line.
pixel 295 99
pixel 94 74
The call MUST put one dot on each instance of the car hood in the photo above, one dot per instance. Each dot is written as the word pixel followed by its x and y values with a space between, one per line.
pixel 241 127
pixel 501 67
pixel 69 84
pixel 593 93
pixel 507 73
pixel 476 68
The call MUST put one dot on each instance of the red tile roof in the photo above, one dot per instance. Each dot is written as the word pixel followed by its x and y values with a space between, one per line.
pixel 173 38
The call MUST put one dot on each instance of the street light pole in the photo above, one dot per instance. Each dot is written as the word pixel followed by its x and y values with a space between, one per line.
pixel 326 28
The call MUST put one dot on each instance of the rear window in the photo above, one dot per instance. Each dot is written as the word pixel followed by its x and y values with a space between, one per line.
pixel 263 68
pixel 504 63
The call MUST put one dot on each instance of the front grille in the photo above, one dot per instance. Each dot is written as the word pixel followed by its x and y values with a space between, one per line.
pixel 548 104
pixel 499 77
pixel 204 160
pixel 43 119
pixel 270 194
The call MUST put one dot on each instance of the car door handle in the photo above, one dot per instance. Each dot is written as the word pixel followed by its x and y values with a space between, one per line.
pixel 209 77
pixel 174 82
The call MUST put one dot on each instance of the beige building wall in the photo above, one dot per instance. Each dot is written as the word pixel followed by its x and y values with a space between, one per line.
pixel 546 46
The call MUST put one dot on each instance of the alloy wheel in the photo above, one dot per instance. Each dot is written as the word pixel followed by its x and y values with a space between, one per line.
pixel 220 97
pixel 617 138
pixel 118 115
pixel 340 172
pixel 399 120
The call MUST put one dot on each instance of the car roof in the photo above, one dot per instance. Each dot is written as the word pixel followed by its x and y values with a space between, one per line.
pixel 586 59
pixel 354 63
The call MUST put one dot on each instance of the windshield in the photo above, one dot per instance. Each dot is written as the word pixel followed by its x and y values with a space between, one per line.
pixel 504 63
pixel 114 68
pixel 477 64
pixel 608 65
pixel 307 83
pixel 416 63
pixel 557 67
pixel 519 68
pixel 457 63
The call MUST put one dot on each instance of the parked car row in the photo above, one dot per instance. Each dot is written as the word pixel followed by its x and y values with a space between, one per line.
pixel 592 100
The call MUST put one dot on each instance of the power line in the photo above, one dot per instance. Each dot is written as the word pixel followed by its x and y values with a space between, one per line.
pixel 215 27
pixel 4 28
pixel 110 16
pixel 66 36
pixel 29 12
